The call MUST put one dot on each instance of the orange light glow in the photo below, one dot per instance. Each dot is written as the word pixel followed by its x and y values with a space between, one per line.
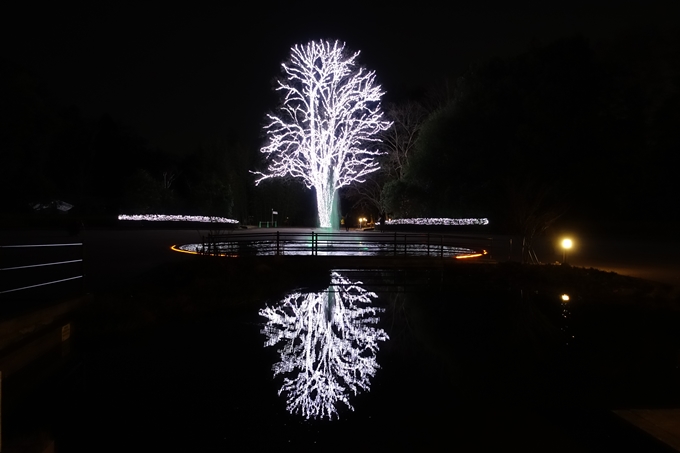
pixel 473 255
pixel 175 249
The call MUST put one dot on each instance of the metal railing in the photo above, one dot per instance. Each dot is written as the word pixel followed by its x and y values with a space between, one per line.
pixel 342 244
pixel 26 267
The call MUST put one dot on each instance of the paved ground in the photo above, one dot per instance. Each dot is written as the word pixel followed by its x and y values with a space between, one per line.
pixel 128 252
pixel 114 256
pixel 663 424
pixel 654 259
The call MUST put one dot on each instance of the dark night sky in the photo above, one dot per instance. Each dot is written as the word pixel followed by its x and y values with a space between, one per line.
pixel 180 76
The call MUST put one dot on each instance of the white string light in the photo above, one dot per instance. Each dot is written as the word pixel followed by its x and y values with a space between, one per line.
pixel 330 114
pixel 438 221
pixel 176 218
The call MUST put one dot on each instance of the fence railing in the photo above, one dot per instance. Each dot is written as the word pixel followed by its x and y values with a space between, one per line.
pixel 25 268
pixel 342 244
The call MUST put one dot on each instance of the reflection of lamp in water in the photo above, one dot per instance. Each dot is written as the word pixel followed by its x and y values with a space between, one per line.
pixel 566 245
pixel 328 347
pixel 565 318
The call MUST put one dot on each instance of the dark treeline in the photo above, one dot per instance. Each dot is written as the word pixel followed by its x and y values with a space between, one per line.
pixel 101 167
pixel 560 133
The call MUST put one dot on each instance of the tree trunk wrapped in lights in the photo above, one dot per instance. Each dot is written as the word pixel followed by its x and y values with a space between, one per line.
pixel 329 342
pixel 328 121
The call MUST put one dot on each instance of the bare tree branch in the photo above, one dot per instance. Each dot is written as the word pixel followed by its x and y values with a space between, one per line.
pixel 329 124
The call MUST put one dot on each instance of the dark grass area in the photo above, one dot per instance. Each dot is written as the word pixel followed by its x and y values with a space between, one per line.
pixel 481 357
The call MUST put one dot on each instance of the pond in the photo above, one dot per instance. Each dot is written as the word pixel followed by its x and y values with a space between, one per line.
pixel 378 360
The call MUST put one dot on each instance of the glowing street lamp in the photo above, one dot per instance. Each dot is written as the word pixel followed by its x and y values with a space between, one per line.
pixel 566 245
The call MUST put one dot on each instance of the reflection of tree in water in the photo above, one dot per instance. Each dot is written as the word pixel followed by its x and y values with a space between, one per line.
pixel 329 342
pixel 403 298
pixel 397 320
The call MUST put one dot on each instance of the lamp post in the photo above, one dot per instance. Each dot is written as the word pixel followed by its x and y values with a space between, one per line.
pixel 566 245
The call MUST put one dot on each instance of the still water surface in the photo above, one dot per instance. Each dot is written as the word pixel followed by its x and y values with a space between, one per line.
pixel 380 359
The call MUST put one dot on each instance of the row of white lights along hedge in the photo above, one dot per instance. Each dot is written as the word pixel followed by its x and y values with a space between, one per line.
pixel 176 218
pixel 210 219
pixel 438 221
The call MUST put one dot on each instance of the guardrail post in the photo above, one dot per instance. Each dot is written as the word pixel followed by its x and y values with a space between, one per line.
pixel 428 244
pixel 441 248
pixel 395 243
pixel 277 243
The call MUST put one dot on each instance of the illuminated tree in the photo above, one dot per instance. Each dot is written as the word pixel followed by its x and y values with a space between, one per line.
pixel 329 342
pixel 329 118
